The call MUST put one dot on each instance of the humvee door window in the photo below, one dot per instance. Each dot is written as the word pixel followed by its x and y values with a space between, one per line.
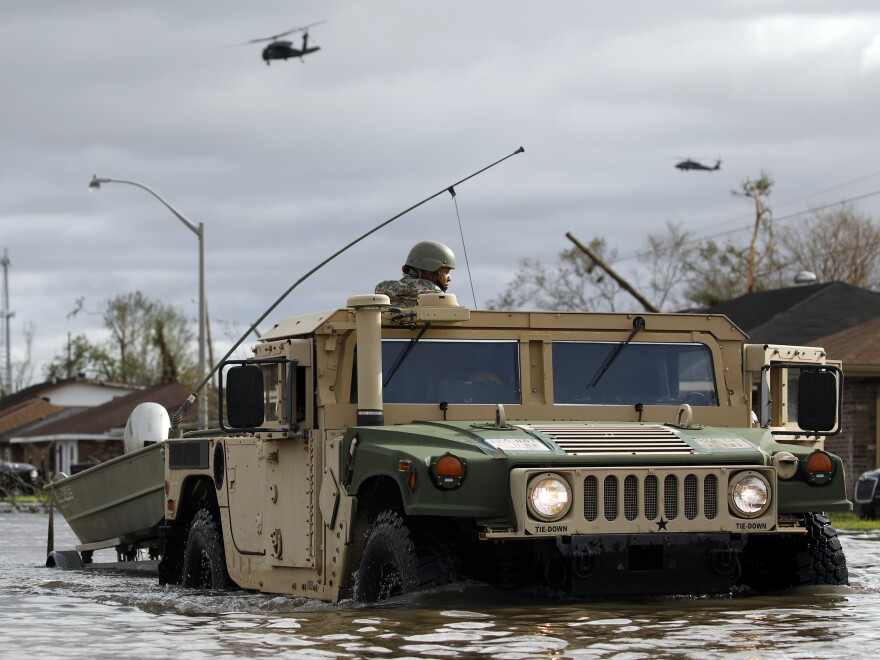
pixel 469 372
pixel 650 374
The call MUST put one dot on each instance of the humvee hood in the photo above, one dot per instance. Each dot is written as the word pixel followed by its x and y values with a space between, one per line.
pixel 574 439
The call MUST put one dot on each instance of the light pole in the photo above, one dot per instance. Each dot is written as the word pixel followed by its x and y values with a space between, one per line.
pixel 198 230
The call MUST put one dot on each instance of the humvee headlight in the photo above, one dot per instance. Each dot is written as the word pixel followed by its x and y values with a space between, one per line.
pixel 749 494
pixel 549 497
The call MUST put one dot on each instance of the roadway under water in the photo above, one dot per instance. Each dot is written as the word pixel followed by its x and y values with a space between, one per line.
pixel 90 613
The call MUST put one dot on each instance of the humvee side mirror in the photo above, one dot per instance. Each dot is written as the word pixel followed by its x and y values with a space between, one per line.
pixel 244 396
pixel 818 401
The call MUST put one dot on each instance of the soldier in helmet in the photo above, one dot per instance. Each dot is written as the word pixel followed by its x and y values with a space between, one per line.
pixel 426 270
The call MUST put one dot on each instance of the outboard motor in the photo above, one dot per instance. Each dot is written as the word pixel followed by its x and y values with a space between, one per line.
pixel 147 425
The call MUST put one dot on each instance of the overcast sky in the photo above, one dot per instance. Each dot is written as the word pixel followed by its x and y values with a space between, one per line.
pixel 284 164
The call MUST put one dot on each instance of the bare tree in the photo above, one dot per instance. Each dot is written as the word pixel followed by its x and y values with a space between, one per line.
pixel 577 283
pixel 667 259
pixel 149 342
pixel 716 273
pixel 757 190
pixel 574 283
pixel 838 245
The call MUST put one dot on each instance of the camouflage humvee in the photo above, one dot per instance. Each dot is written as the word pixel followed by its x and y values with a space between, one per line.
pixel 370 451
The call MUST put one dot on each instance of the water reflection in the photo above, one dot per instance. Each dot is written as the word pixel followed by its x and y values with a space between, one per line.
pixel 76 614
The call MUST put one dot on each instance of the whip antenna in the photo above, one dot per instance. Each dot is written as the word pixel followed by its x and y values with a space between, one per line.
pixel 178 416
pixel 463 245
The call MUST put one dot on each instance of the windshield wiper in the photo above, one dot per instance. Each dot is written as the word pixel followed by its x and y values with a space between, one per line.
pixel 403 355
pixel 638 326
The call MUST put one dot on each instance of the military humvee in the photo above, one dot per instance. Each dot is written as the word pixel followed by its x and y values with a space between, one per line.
pixel 370 451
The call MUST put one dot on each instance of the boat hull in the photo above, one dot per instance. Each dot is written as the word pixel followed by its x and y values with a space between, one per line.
pixel 121 499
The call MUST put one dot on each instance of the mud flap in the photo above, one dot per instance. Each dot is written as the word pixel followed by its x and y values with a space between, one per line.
pixel 631 564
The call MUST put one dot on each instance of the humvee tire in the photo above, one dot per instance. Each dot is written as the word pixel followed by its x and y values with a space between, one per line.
pixel 204 563
pixel 782 562
pixel 822 561
pixel 394 562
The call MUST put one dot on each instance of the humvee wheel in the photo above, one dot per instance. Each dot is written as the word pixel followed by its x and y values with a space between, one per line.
pixel 782 562
pixel 396 562
pixel 822 561
pixel 204 562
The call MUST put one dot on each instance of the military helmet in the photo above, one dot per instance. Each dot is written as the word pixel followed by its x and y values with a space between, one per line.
pixel 430 256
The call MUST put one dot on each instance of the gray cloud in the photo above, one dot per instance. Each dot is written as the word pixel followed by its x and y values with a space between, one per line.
pixel 286 163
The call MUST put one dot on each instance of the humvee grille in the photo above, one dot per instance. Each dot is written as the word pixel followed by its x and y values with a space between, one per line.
pixel 641 498
pixel 188 455
pixel 581 439
pixel 662 499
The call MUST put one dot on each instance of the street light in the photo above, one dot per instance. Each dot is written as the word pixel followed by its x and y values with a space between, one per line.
pixel 198 230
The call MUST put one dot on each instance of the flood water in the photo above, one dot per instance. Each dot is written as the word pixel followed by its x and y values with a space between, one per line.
pixel 97 614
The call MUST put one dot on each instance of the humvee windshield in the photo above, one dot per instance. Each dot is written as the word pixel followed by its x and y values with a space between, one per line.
pixel 488 372
pixel 451 371
pixel 650 374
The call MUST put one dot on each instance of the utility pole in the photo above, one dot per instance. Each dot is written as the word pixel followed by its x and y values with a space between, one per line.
pixel 5 315
pixel 624 284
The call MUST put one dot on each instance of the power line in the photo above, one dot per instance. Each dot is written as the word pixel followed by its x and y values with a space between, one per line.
pixel 802 197
pixel 846 200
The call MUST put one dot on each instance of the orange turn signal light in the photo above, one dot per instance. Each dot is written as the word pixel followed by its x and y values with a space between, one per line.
pixel 449 466
pixel 819 467
pixel 819 462
pixel 448 471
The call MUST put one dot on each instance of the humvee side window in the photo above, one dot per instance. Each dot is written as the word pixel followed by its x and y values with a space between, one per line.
pixel 650 374
pixel 455 371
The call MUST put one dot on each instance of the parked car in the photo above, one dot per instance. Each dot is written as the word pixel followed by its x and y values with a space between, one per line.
pixel 19 478
pixel 867 496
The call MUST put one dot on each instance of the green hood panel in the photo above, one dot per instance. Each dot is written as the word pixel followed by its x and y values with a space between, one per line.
pixel 489 453
pixel 577 442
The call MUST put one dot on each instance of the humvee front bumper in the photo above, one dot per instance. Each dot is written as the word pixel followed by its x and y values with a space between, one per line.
pixel 667 500
pixel 642 564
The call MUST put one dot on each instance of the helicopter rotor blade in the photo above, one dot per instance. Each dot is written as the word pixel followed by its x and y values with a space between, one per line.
pixel 302 28
pixel 256 41
pixel 311 25
pixel 247 43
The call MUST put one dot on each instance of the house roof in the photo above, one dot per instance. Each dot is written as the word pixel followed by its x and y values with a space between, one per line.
pixel 113 414
pixel 857 347
pixel 44 390
pixel 801 314
pixel 32 392
pixel 26 412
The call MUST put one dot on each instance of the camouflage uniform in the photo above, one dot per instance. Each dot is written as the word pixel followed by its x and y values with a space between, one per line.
pixel 405 291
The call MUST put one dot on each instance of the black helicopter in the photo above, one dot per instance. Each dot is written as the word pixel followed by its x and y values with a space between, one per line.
pixel 278 49
pixel 689 164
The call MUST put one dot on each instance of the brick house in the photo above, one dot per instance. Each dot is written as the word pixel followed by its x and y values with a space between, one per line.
pixel 845 321
pixel 40 404
pixel 859 350
pixel 89 435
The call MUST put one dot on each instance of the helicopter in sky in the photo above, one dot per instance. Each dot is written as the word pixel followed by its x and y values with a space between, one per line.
pixel 278 49
pixel 689 164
